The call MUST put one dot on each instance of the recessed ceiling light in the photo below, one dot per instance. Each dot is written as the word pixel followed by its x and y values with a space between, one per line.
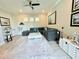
pixel 43 11
pixel 20 10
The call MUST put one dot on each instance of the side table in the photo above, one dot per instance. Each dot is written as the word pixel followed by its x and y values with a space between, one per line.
pixel 8 36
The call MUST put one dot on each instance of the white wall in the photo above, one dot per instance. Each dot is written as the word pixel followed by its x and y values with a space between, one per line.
pixel 16 19
pixel 6 15
pixel 20 18
pixel 64 17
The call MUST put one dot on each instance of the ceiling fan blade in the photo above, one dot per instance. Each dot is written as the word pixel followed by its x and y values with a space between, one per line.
pixel 35 4
pixel 28 0
pixel 26 5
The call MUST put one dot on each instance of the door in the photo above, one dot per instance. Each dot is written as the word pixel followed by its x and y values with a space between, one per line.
pixel 61 42
pixel 65 46
pixel 72 51
pixel 77 53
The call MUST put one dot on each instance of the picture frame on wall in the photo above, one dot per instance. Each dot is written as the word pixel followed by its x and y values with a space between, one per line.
pixel 75 19
pixel 52 18
pixel 75 5
pixel 4 21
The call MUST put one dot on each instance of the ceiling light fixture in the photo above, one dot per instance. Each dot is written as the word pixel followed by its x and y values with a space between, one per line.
pixel 43 11
pixel 20 10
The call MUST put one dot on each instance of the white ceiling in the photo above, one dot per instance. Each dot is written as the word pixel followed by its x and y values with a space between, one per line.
pixel 13 6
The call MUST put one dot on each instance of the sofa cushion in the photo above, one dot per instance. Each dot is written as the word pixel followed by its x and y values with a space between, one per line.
pixel 25 33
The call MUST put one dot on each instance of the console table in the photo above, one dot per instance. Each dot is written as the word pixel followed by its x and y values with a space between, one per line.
pixel 70 47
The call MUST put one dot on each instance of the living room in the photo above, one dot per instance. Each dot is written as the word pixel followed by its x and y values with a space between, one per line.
pixel 22 17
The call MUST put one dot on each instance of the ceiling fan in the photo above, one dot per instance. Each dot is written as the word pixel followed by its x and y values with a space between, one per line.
pixel 31 4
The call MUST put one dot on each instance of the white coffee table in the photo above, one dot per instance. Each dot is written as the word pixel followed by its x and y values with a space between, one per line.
pixel 35 35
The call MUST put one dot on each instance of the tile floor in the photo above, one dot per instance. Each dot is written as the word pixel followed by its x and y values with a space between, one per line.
pixel 58 53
